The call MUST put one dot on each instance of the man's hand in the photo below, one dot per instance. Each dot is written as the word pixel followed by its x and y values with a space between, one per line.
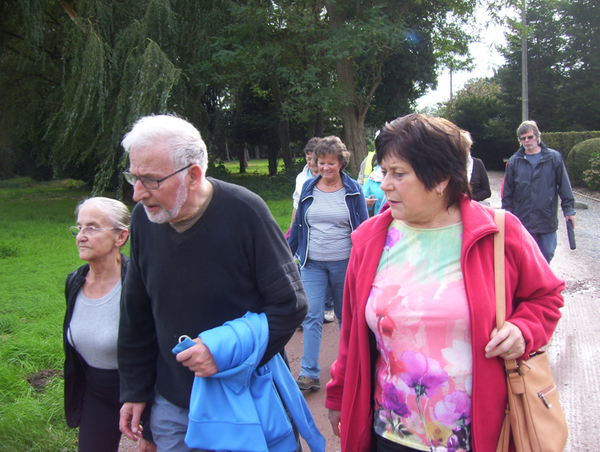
pixel 129 424
pixel 198 359
pixel 572 218
pixel 334 420
pixel 508 343
pixel 370 201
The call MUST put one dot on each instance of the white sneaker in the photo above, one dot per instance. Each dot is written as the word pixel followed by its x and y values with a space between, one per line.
pixel 329 317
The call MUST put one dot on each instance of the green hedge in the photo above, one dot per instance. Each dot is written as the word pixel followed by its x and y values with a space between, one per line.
pixel 579 160
pixel 563 142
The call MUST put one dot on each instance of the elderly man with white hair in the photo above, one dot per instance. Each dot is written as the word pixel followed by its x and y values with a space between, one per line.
pixel 203 252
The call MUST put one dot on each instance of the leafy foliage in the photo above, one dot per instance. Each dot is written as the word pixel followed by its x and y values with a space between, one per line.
pixel 76 75
pixel 563 142
pixel 476 108
pixel 592 176
pixel 579 160
pixel 563 63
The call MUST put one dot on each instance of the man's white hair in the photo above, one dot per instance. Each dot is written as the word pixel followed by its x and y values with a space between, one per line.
pixel 181 138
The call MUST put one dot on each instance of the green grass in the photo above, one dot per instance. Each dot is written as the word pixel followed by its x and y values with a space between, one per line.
pixel 254 167
pixel 36 254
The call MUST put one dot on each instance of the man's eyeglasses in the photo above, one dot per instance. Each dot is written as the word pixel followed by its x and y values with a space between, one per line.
pixel 150 183
pixel 528 137
pixel 87 230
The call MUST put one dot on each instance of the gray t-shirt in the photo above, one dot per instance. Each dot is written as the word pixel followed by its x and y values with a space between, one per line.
pixel 94 328
pixel 330 228
pixel 534 158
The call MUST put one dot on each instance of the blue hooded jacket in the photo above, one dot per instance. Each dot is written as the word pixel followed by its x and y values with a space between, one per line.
pixel 240 407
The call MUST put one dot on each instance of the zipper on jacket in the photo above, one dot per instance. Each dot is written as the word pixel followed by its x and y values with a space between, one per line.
pixel 307 228
pixel 348 210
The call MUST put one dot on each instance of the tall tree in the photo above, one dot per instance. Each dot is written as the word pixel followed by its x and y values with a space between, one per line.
pixel 563 61
pixel 364 37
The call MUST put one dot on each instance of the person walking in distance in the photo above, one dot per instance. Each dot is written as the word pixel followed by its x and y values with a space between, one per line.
pixel 535 177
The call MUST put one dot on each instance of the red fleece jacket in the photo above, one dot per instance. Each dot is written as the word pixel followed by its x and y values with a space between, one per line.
pixel 530 283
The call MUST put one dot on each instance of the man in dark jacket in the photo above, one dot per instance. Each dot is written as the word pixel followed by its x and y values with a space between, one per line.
pixel 535 177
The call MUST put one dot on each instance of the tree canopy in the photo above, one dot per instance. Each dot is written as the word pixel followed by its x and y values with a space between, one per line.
pixel 563 65
pixel 270 74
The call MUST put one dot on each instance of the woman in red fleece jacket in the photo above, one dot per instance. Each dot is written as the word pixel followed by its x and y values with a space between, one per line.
pixel 420 364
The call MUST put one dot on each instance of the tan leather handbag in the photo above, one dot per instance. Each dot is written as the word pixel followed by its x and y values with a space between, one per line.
pixel 533 412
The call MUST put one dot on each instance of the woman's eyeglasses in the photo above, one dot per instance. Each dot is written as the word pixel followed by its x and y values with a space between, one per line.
pixel 87 230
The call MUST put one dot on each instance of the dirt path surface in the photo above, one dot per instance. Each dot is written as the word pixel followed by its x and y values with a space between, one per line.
pixel 574 350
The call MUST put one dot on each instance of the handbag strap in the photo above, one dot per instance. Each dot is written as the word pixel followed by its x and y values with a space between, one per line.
pixel 500 289
pixel 499 278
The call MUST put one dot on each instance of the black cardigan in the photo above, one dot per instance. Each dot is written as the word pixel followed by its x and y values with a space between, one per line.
pixel 480 183
pixel 74 369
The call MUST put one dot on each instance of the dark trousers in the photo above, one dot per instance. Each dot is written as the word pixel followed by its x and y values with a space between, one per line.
pixel 547 243
pixel 385 445
pixel 99 427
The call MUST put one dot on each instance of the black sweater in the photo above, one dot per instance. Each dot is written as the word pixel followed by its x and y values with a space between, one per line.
pixel 234 259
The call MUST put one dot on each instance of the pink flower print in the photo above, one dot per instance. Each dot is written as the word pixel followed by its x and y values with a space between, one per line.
pixel 392 238
pixel 396 366
pixel 454 411
pixel 452 408
pixel 394 399
pixel 424 375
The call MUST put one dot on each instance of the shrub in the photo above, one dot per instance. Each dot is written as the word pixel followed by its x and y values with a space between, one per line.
pixel 578 160
pixel 563 142
pixel 592 175
pixel 73 184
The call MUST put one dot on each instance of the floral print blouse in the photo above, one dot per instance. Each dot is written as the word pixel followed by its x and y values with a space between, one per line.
pixel 419 314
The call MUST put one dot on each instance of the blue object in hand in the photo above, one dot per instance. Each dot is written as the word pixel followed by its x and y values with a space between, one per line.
pixel 185 342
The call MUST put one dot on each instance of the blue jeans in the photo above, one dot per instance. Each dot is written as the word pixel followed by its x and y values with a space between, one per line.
pixel 547 244
pixel 316 277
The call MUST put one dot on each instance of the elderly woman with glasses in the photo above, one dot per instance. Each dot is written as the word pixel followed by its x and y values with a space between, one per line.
pixel 93 294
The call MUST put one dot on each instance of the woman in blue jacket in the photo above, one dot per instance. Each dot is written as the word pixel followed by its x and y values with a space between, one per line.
pixel 331 206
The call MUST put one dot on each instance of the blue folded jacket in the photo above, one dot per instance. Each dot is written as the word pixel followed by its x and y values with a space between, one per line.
pixel 242 407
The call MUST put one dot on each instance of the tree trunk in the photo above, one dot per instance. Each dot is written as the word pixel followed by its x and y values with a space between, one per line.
pixel 243 161
pixel 283 128
pixel 353 113
pixel 353 136
pixel 319 124
pixel 272 152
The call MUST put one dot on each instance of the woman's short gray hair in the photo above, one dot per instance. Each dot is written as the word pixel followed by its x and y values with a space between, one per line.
pixel 116 212
pixel 181 138
pixel 332 145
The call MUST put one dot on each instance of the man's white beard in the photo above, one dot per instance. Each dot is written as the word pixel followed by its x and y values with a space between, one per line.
pixel 164 215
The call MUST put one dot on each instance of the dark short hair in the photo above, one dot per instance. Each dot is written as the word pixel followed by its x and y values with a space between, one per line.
pixel 435 148
pixel 311 145
pixel 332 145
